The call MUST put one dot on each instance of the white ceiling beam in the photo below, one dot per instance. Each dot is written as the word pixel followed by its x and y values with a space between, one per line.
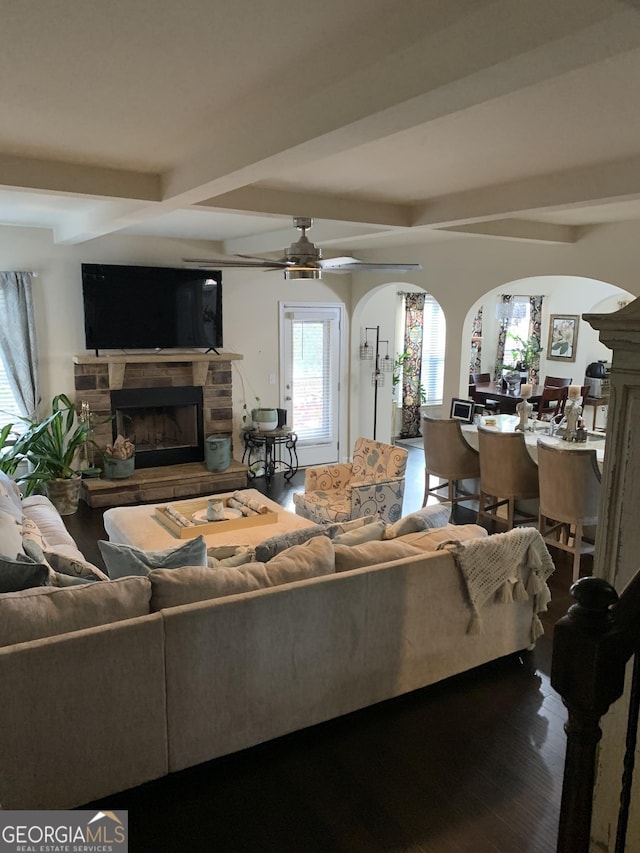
pixel 259 199
pixel 82 226
pixel 522 44
pixel 519 230
pixel 440 74
pixel 54 177
pixel 595 184
pixel 323 232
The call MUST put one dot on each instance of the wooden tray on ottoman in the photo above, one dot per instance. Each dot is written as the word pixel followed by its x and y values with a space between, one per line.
pixel 187 508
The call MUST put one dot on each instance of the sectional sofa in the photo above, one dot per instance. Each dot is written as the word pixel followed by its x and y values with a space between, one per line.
pixel 106 684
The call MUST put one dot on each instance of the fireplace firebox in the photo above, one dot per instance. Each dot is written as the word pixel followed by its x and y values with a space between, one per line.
pixel 164 423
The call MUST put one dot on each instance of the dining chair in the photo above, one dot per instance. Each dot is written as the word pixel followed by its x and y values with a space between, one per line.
pixel 556 381
pixel 508 475
pixel 552 401
pixel 448 456
pixel 570 489
pixel 489 405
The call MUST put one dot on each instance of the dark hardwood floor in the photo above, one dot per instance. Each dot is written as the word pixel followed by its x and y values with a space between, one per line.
pixel 471 765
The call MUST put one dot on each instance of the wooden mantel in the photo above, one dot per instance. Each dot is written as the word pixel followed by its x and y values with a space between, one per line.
pixel 117 363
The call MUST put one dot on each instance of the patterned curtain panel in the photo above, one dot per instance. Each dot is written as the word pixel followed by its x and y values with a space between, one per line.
pixel 535 326
pixel 502 336
pixel 475 360
pixel 18 340
pixel 413 333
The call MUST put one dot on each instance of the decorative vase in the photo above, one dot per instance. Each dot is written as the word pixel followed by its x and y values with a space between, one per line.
pixel 118 469
pixel 217 452
pixel 64 494
pixel 265 419
pixel 512 378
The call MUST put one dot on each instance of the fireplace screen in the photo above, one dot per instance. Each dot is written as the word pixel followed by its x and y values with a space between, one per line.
pixel 165 424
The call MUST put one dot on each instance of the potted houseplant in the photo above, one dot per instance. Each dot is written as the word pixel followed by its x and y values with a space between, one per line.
pixel 52 448
pixel 13 449
pixel 524 354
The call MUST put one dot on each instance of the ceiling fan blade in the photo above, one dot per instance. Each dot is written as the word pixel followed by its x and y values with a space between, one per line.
pixel 354 265
pixel 240 263
pixel 278 262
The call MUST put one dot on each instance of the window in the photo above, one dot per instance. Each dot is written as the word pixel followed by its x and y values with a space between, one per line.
pixel 519 326
pixel 433 344
pixel 9 412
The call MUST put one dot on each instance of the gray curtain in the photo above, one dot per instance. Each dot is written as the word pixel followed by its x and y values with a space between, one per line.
pixel 18 348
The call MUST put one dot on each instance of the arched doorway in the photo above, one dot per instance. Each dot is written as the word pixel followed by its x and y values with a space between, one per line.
pixel 382 314
pixel 562 297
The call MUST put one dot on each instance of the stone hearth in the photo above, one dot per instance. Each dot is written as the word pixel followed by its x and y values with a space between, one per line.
pixel 96 376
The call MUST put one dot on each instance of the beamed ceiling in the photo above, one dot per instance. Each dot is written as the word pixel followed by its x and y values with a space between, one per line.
pixel 390 123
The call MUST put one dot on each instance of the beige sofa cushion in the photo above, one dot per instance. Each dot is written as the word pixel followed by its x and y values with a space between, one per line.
pixel 429 540
pixel 48 525
pixel 46 611
pixel 172 587
pixel 372 554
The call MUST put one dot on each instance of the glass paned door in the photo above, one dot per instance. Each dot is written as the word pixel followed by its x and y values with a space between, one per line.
pixel 311 379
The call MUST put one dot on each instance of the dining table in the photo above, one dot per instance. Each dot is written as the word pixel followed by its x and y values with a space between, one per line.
pixel 507 399
pixel 539 430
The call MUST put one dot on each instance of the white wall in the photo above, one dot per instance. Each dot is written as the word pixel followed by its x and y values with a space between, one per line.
pixel 250 304
pixel 562 295
pixel 458 272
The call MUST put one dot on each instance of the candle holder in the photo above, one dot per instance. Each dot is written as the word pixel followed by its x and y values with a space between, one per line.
pixel 572 413
pixel 524 409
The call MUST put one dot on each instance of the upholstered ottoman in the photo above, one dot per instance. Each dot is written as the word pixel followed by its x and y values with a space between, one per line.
pixel 138 526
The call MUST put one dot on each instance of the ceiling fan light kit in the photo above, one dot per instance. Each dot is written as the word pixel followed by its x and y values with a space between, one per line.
pixel 302 260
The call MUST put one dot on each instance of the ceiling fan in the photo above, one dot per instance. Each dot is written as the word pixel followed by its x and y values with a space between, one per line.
pixel 302 260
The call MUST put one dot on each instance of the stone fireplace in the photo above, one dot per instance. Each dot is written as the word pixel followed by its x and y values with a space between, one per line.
pixel 167 404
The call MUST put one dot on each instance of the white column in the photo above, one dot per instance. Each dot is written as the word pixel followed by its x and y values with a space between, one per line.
pixel 617 556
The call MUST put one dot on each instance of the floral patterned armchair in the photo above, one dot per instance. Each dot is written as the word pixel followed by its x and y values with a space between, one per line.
pixel 372 484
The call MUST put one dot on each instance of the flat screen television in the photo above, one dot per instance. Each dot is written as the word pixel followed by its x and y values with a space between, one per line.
pixel 136 307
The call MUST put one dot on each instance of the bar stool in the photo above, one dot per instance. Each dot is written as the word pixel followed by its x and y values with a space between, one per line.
pixel 508 474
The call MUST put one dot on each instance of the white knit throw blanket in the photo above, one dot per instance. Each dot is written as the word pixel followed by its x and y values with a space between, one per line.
pixel 496 566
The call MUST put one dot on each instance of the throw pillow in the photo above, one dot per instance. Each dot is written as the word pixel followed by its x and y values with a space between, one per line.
pixel 10 500
pixel 31 533
pixel 367 533
pixel 434 515
pixel 22 573
pixel 309 560
pixel 340 527
pixel 62 563
pixel 194 583
pixel 10 535
pixel 221 552
pixel 268 549
pixel 371 554
pixel 60 579
pixel 238 559
pixel 429 540
pixel 124 560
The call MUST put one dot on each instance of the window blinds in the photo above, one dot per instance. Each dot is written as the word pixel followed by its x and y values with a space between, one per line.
pixel 433 345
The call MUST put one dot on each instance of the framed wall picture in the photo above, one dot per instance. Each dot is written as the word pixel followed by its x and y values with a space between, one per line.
pixel 563 337
pixel 462 410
